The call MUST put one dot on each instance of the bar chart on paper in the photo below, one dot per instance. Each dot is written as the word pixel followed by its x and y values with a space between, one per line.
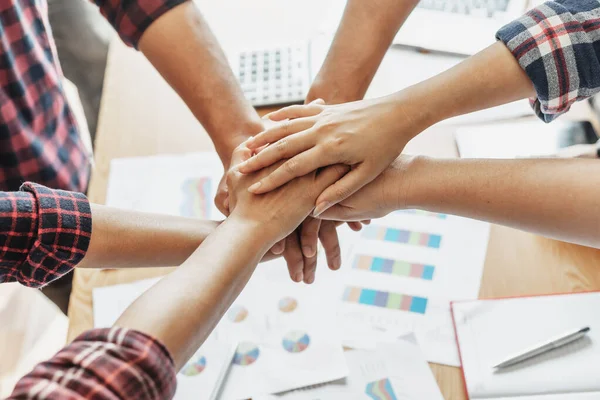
pixel 388 300
pixel 402 271
pixel 373 232
pixel 394 267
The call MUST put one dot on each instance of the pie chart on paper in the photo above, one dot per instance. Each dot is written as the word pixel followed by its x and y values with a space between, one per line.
pixel 246 354
pixel 296 341
pixel 195 366
pixel 237 314
pixel 287 304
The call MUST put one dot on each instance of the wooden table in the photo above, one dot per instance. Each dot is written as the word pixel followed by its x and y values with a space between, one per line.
pixel 141 115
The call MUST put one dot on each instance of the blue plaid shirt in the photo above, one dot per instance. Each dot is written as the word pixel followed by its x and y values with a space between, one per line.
pixel 558 46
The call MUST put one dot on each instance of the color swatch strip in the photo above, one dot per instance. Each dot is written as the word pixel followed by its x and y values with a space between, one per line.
pixel 394 267
pixel 424 213
pixel 392 301
pixel 402 236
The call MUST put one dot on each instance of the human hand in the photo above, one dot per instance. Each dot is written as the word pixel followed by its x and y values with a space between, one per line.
pixel 365 135
pixel 389 192
pixel 280 211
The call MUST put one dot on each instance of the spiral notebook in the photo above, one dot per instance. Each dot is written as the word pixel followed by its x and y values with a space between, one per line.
pixel 488 331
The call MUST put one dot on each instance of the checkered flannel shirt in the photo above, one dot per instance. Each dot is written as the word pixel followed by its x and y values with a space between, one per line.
pixel 39 138
pixel 558 46
pixel 44 233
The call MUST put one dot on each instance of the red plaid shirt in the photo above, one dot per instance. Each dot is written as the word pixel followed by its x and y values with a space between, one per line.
pixel 39 139
pixel 44 233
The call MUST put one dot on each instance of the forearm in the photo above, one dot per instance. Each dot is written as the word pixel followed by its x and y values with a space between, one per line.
pixel 487 79
pixel 129 239
pixel 554 198
pixel 362 39
pixel 183 49
pixel 187 304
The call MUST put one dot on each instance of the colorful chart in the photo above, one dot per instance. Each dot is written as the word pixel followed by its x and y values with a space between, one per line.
pixel 195 366
pixel 197 198
pixel 296 341
pixel 246 354
pixel 402 236
pixel 237 314
pixel 288 304
pixel 392 301
pixel 381 390
pixel 394 267
pixel 423 213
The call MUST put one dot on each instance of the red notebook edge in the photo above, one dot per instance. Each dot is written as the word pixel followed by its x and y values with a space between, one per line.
pixel 462 370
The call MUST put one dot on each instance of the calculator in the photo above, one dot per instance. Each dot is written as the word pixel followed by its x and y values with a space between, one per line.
pixel 278 75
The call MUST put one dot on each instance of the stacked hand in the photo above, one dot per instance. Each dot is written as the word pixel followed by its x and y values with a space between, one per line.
pixel 280 211
pixel 364 135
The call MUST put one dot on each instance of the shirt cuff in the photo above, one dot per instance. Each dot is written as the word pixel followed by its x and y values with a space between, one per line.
pixel 544 41
pixel 63 235
pixel 110 363
pixel 131 18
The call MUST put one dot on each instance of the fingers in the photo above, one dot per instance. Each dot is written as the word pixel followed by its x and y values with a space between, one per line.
pixel 241 153
pixel 222 199
pixel 329 176
pixel 279 247
pixel 331 244
pixel 293 256
pixel 355 226
pixel 310 268
pixel 278 132
pixel 285 148
pixel 309 237
pixel 298 111
pixel 295 167
pixel 342 189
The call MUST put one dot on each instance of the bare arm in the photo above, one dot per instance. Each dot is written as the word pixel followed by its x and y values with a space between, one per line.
pixel 362 39
pixel 183 49
pixel 557 198
pixel 554 198
pixel 129 239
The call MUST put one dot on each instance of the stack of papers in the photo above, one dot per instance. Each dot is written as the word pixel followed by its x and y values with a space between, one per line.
pixel 390 301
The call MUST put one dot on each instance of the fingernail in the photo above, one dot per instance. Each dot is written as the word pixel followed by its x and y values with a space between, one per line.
pixel 299 277
pixel 310 279
pixel 255 187
pixel 249 141
pixel 321 208
pixel 308 251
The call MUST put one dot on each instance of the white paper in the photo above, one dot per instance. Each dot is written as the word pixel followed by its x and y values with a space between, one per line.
pixel 183 184
pixel 256 321
pixel 262 318
pixel 391 371
pixel 414 298
pixel 489 331
pixel 199 376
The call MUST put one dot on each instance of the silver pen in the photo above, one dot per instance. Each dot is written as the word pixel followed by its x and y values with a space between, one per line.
pixel 544 348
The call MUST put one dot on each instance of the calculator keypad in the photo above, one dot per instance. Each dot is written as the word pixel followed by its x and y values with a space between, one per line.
pixel 278 75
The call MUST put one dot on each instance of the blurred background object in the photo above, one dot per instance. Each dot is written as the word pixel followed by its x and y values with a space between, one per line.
pixel 82 37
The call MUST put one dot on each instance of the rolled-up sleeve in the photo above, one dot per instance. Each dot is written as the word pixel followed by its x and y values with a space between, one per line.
pixel 103 364
pixel 131 18
pixel 44 233
pixel 558 46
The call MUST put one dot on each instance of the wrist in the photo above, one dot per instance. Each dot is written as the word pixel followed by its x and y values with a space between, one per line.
pixel 233 138
pixel 333 93
pixel 261 234
pixel 407 189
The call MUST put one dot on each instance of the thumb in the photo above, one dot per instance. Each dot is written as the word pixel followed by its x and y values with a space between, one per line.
pixel 241 153
pixel 329 176
pixel 342 189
